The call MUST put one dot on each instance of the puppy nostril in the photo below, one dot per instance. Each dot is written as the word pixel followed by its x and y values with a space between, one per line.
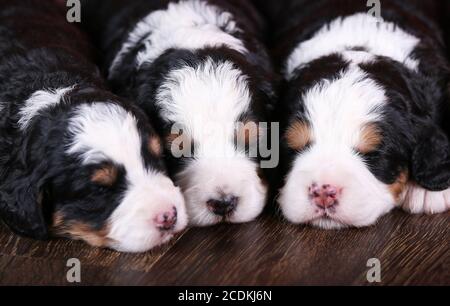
pixel 223 206
pixel 314 190
pixel 325 196
pixel 166 221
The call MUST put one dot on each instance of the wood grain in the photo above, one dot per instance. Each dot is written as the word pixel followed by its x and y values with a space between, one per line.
pixel 13 245
pixel 413 250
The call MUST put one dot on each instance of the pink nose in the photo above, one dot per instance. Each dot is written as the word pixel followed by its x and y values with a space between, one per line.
pixel 325 196
pixel 166 221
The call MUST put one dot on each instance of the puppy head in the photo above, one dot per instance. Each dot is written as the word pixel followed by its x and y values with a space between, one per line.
pixel 356 145
pixel 98 177
pixel 209 108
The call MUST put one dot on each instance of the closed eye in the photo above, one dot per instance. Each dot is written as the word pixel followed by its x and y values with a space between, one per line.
pixel 106 175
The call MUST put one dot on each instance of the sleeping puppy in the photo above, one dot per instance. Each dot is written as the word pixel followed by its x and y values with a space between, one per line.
pixel 197 68
pixel 75 161
pixel 362 110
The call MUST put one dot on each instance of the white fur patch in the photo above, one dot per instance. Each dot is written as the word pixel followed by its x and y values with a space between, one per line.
pixel 337 111
pixel 39 101
pixel 359 30
pixel 103 132
pixel 206 102
pixel 191 24
pixel 357 57
pixel 197 98
pixel 418 200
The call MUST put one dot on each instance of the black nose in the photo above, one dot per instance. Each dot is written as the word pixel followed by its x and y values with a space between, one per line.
pixel 223 206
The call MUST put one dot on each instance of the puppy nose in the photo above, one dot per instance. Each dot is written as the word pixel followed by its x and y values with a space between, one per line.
pixel 223 206
pixel 166 221
pixel 325 196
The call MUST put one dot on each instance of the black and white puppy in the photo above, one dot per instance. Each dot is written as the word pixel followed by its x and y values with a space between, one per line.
pixel 198 68
pixel 75 161
pixel 362 110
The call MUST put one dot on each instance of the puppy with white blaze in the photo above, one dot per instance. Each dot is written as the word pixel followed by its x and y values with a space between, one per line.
pixel 363 110
pixel 198 69
pixel 75 160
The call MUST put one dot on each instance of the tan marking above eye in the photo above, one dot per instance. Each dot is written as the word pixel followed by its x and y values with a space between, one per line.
pixel 155 146
pixel 399 186
pixel 247 132
pixel 105 176
pixel 370 138
pixel 298 135
pixel 80 231
pixel 58 220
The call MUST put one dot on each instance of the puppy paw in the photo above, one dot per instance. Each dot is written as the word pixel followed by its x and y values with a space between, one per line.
pixel 418 200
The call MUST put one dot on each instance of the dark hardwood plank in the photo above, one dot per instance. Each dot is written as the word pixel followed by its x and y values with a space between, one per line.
pixel 63 249
pixel 419 252
pixel 16 270
pixel 412 250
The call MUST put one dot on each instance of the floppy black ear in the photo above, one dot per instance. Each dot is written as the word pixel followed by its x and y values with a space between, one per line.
pixel 21 205
pixel 431 160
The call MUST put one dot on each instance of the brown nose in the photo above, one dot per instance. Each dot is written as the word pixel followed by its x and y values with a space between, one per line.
pixel 223 206
pixel 325 196
pixel 166 221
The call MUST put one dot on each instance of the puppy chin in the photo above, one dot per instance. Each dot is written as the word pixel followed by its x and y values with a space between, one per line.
pixel 146 242
pixel 328 224
pixel 211 179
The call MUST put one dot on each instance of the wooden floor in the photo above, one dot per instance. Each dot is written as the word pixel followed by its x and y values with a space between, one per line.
pixel 413 250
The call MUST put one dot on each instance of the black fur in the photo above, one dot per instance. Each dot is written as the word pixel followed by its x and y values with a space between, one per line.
pixel 111 21
pixel 40 50
pixel 414 117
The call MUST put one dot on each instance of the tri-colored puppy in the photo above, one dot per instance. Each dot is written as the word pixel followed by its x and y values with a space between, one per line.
pixel 198 69
pixel 363 110
pixel 75 161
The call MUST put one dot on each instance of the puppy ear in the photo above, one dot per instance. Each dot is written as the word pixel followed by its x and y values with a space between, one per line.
pixel 431 160
pixel 21 206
